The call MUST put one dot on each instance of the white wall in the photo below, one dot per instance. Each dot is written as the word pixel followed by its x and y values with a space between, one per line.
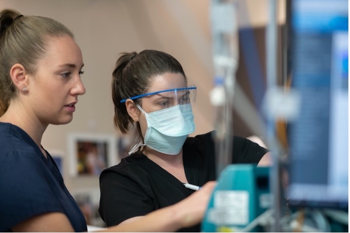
pixel 105 28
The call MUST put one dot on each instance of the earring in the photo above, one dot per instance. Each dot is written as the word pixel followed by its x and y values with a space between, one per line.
pixel 25 89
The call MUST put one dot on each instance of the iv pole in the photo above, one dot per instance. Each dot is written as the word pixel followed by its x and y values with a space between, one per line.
pixel 271 65
pixel 225 59
pixel 225 54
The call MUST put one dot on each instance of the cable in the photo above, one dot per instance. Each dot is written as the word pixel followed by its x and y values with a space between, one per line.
pixel 263 218
pixel 339 216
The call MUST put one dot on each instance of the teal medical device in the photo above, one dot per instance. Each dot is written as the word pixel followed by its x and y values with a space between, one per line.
pixel 242 193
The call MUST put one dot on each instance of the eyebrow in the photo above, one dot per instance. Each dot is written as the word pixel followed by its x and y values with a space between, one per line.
pixel 159 96
pixel 71 65
pixel 156 92
pixel 166 97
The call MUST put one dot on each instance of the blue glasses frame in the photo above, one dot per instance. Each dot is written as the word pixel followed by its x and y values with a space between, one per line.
pixel 157 92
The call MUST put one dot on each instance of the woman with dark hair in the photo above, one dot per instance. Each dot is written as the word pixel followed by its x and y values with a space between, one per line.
pixel 151 93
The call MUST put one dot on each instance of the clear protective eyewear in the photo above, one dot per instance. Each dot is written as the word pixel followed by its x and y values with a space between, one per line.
pixel 170 97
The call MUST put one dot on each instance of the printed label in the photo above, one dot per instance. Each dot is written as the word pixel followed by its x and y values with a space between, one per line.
pixel 230 207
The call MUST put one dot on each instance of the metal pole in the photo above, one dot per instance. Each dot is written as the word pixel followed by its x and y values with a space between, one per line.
pixel 225 58
pixel 271 63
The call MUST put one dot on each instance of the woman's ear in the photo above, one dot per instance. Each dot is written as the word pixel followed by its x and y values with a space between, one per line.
pixel 19 77
pixel 132 109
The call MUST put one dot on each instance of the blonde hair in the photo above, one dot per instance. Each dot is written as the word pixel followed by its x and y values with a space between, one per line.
pixel 23 40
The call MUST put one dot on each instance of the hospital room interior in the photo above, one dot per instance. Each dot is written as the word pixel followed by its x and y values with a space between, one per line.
pixel 274 72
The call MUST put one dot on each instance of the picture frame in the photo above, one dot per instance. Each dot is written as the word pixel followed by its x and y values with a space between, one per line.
pixel 90 154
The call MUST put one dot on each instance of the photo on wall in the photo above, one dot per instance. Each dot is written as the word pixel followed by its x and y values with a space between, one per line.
pixel 90 154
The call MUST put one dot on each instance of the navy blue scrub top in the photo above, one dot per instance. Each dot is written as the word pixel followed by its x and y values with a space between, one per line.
pixel 31 184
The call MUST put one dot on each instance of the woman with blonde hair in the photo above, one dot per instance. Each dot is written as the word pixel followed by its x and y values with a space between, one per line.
pixel 40 82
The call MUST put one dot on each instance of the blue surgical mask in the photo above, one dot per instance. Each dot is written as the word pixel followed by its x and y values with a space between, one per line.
pixel 167 129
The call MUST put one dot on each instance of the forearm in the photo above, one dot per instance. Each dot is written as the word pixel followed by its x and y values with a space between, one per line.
pixel 185 213
pixel 166 219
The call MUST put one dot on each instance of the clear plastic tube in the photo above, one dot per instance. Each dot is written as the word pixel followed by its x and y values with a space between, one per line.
pixel 225 58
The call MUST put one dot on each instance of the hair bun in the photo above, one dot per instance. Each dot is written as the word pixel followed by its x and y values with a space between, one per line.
pixel 7 18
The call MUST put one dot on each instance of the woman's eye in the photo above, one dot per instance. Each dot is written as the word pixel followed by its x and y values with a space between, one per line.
pixel 164 103
pixel 65 75
pixel 81 72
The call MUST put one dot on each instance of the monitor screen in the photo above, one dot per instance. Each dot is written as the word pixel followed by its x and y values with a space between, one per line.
pixel 318 138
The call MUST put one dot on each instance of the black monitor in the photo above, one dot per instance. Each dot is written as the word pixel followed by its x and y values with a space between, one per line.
pixel 318 138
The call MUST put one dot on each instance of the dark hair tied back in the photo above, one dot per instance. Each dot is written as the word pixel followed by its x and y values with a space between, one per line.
pixel 6 20
pixel 133 75
pixel 119 91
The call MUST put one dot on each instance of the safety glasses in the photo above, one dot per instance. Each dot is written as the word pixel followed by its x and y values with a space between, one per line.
pixel 170 97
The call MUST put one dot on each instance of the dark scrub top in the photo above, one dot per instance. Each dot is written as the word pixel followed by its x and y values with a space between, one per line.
pixel 137 185
pixel 30 184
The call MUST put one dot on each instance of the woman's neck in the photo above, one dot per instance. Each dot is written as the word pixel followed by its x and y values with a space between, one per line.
pixel 161 158
pixel 171 163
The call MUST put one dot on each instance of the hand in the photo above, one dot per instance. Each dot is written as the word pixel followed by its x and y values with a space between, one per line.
pixel 192 208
